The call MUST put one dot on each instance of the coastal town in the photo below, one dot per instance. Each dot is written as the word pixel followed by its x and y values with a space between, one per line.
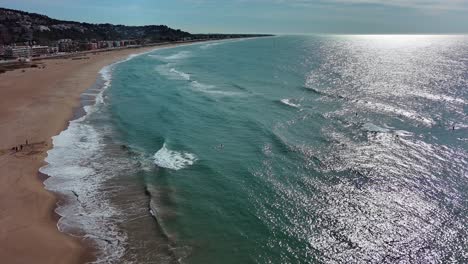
pixel 26 37
pixel 23 52
pixel 49 70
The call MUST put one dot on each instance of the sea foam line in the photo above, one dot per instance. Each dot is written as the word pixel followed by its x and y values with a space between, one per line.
pixel 177 56
pixel 74 175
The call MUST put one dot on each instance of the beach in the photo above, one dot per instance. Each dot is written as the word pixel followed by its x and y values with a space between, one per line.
pixel 35 105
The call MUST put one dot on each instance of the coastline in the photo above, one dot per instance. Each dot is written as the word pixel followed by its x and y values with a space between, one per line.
pixel 35 105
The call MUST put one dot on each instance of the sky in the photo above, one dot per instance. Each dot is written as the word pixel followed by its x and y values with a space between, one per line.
pixel 265 16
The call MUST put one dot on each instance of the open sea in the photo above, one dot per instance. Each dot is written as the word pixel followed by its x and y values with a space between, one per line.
pixel 289 149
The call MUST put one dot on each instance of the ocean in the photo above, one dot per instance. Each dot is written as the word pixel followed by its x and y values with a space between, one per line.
pixel 287 149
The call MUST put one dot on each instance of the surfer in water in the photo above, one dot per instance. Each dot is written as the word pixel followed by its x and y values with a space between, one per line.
pixel 220 147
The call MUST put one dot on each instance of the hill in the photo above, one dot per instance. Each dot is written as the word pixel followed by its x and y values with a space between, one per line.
pixel 18 26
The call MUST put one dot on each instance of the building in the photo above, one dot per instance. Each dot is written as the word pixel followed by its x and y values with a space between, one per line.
pixel 89 46
pixel 66 45
pixel 53 50
pixel 14 52
pixel 40 51
pixel 127 42
pixel 103 44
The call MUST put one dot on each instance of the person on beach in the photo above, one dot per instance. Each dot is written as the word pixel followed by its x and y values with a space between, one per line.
pixel 21 147
pixel 26 142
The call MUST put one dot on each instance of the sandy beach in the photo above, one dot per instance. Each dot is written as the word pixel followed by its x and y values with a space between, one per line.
pixel 36 104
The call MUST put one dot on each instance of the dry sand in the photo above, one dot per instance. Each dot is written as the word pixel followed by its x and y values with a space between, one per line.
pixel 36 104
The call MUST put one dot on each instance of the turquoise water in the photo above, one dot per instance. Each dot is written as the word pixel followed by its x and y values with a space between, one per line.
pixel 291 149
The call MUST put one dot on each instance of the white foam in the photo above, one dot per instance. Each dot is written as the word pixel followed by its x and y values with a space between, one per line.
pixel 183 75
pixel 201 86
pixel 106 75
pixel 289 103
pixel 220 42
pixel 172 73
pixel 438 97
pixel 168 70
pixel 173 160
pixel 180 55
pixel 77 172
pixel 413 115
pixel 176 56
pixel 210 89
pixel 210 45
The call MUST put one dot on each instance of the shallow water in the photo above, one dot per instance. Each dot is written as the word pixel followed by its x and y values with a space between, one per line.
pixel 292 149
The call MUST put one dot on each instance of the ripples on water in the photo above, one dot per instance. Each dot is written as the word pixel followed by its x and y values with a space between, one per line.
pixel 394 191
pixel 335 149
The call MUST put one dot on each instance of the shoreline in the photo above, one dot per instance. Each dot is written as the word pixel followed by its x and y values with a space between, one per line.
pixel 35 105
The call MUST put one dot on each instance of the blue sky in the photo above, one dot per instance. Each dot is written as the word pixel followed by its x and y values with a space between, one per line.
pixel 265 16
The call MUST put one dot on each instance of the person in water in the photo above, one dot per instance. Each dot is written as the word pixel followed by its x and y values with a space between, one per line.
pixel 220 146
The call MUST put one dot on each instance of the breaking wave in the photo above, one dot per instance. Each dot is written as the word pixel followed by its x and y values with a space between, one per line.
pixel 76 172
pixel 290 102
pixel 174 160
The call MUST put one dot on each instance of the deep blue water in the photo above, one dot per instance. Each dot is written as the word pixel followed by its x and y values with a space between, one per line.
pixel 291 149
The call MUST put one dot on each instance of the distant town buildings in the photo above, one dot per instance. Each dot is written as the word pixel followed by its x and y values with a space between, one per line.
pixel 53 50
pixel 92 46
pixel 40 51
pixel 29 49
pixel 66 45
pixel 14 52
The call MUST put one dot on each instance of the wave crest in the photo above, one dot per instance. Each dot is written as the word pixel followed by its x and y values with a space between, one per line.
pixel 290 102
pixel 173 160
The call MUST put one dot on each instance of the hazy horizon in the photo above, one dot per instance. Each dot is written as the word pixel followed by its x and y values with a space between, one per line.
pixel 267 16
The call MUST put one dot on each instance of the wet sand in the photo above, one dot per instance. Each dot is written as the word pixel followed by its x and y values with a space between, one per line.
pixel 36 104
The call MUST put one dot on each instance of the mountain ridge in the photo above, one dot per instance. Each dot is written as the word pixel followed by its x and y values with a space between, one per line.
pixel 19 27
